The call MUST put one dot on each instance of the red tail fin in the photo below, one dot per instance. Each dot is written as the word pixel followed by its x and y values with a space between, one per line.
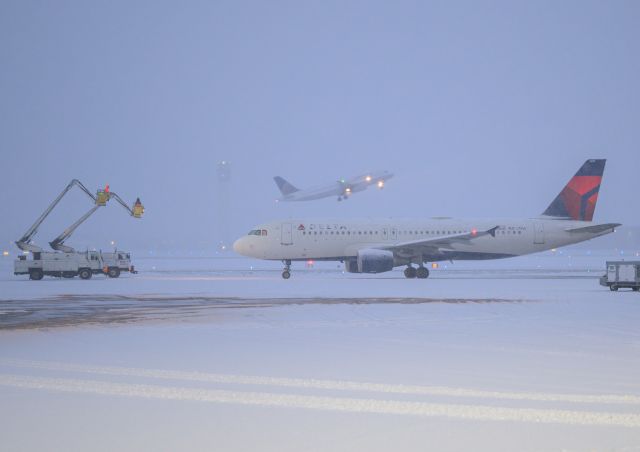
pixel 577 200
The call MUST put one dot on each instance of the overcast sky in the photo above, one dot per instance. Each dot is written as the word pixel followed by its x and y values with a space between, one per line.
pixel 479 108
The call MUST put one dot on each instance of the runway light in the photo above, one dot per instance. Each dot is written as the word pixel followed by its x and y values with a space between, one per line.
pixel 380 184
pixel 434 265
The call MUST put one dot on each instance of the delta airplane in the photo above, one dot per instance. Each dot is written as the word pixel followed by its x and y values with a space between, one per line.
pixel 375 246
pixel 342 188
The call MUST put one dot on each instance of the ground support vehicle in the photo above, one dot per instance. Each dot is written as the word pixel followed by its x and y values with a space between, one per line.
pixel 622 274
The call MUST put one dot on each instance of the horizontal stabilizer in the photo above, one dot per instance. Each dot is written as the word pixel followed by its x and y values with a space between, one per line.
pixel 596 228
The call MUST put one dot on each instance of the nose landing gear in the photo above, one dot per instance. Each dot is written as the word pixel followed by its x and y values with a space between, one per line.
pixel 286 273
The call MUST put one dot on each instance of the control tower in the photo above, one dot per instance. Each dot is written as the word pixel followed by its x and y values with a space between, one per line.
pixel 223 203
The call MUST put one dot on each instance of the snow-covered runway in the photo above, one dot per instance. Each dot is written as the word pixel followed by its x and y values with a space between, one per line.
pixel 231 359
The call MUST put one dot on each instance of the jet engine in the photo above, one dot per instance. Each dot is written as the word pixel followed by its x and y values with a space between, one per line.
pixel 370 261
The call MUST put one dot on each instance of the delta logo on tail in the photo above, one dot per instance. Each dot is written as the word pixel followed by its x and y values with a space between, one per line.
pixel 577 200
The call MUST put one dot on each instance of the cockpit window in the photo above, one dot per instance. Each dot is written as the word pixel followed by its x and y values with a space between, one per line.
pixel 258 232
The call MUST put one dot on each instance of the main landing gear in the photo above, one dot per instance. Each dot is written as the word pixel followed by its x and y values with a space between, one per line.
pixel 421 272
pixel 286 273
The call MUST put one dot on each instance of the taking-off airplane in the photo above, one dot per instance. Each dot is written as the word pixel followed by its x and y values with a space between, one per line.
pixel 342 188
pixel 375 246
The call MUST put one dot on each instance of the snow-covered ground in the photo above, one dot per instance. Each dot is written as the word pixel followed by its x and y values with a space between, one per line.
pixel 222 354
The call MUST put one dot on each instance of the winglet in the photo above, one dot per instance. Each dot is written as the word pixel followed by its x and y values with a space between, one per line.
pixel 492 231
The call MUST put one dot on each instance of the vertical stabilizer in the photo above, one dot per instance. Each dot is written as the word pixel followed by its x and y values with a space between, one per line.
pixel 285 187
pixel 577 200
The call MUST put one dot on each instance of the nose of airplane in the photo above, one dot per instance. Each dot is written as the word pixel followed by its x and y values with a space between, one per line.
pixel 239 246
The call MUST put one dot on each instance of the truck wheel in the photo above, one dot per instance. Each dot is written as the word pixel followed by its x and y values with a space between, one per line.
pixel 85 273
pixel 613 287
pixel 113 272
pixel 36 274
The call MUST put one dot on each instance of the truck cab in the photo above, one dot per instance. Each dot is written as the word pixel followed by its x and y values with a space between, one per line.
pixel 117 262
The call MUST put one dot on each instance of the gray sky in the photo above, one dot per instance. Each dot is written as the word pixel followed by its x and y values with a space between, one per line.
pixel 479 108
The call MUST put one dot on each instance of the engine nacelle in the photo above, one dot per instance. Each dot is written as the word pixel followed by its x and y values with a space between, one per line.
pixel 370 261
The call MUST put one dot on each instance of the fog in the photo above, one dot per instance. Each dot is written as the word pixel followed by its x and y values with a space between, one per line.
pixel 479 109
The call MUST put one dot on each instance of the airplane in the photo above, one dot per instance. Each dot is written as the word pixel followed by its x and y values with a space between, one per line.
pixel 376 246
pixel 342 188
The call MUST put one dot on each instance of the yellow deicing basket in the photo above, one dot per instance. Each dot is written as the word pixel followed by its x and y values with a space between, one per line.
pixel 138 209
pixel 102 196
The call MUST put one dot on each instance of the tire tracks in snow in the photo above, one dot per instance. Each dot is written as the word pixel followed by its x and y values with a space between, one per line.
pixel 335 385
pixel 352 405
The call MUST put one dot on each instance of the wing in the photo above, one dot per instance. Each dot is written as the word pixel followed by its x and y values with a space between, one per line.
pixel 435 246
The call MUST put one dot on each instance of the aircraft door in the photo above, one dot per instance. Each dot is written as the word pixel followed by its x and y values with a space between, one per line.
pixel 538 232
pixel 287 234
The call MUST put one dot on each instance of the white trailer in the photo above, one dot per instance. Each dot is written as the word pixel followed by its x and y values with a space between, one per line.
pixel 65 265
pixel 622 274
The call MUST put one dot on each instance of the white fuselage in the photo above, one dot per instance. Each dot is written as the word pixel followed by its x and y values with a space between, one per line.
pixel 342 188
pixel 329 239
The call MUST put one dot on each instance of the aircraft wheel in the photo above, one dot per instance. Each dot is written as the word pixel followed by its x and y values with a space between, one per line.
pixel 422 273
pixel 36 274
pixel 410 272
pixel 286 274
pixel 85 273
pixel 613 288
